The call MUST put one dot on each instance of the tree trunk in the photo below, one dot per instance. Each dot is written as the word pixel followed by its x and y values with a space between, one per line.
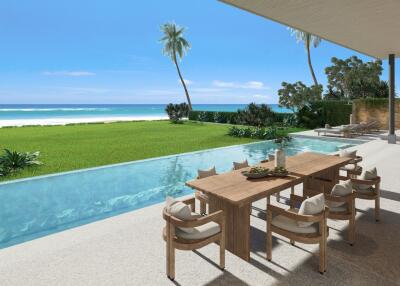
pixel 183 83
pixel 309 61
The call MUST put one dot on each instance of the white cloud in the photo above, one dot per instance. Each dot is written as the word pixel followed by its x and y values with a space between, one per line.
pixel 245 85
pixel 261 96
pixel 69 73
pixel 187 81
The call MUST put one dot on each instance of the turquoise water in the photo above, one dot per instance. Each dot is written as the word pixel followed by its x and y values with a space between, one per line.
pixel 31 208
pixel 45 111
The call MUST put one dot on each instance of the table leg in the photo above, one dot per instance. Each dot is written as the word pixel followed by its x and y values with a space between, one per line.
pixel 237 226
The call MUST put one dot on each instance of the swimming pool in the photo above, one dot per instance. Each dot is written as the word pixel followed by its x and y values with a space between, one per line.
pixel 31 208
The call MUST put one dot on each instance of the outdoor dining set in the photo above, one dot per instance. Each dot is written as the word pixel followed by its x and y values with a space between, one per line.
pixel 330 185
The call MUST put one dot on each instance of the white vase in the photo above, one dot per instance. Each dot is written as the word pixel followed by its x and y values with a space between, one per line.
pixel 280 158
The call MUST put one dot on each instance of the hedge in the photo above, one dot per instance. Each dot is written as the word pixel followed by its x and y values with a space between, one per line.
pixel 373 102
pixel 227 117
pixel 214 116
pixel 319 113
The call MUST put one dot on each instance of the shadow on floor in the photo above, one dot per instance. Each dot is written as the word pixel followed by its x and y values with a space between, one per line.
pixel 373 260
pixel 390 195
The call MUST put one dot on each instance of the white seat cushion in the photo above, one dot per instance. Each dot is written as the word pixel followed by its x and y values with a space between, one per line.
pixel 292 226
pixel 366 175
pixel 311 206
pixel 206 173
pixel 240 165
pixel 341 190
pixel 341 208
pixel 351 167
pixel 199 232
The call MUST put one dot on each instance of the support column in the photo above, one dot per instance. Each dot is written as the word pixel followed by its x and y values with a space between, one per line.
pixel 392 123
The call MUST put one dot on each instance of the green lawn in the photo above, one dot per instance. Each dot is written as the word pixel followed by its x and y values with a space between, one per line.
pixel 72 147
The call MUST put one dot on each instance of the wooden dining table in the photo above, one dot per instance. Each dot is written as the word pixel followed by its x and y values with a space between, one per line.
pixel 233 193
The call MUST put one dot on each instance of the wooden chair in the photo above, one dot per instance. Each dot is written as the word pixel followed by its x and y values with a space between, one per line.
pixel 344 212
pixel 240 165
pixel 200 196
pixel 203 235
pixel 371 193
pixel 285 224
pixel 347 211
pixel 352 169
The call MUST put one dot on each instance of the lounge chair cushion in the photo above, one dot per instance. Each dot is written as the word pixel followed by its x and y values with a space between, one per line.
pixel 291 225
pixel 342 189
pixel 199 232
pixel 181 211
pixel 240 165
pixel 370 174
pixel 311 206
pixel 206 173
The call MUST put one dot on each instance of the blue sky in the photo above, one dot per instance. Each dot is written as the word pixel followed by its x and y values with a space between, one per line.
pixel 109 52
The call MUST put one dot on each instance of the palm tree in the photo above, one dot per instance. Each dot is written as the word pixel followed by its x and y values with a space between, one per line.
pixel 308 39
pixel 176 45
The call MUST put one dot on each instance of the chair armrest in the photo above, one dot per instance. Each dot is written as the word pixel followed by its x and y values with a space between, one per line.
pixel 367 182
pixel 345 199
pixel 217 217
pixel 191 202
pixel 294 216
pixel 356 160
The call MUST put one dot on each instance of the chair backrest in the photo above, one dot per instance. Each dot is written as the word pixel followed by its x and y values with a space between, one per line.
pixel 240 165
pixel 201 174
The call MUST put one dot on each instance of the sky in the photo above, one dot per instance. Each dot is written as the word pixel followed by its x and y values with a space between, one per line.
pixel 97 51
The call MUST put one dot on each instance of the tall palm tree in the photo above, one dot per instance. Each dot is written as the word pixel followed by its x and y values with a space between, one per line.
pixel 308 39
pixel 175 45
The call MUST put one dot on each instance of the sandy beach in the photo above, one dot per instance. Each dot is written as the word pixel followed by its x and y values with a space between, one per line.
pixel 64 121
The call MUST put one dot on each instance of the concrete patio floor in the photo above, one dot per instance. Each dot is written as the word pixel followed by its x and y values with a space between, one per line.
pixel 128 249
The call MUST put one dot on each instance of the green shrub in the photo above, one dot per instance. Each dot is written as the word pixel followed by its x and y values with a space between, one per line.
pixel 177 111
pixel 213 116
pixel 319 113
pixel 12 161
pixel 253 132
pixel 251 116
pixel 256 115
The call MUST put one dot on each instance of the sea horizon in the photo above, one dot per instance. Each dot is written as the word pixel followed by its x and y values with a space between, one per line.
pixel 72 110
pixel 62 114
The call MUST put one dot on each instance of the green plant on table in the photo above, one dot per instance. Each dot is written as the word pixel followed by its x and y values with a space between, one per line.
pixel 282 141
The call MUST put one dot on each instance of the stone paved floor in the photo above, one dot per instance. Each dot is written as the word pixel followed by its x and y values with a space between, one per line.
pixel 128 249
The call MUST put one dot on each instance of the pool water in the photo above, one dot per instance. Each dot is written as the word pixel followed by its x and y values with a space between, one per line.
pixel 31 208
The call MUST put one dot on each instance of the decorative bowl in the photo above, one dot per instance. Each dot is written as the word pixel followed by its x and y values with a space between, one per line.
pixel 256 173
pixel 279 172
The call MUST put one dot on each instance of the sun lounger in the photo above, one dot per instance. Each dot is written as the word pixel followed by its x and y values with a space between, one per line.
pixel 345 130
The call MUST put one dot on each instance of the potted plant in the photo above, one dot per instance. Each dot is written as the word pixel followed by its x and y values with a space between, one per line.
pixel 280 158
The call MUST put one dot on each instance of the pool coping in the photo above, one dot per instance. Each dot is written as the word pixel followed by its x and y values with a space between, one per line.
pixel 164 157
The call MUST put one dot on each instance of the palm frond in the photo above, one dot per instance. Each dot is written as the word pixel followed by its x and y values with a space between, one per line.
pixel 174 41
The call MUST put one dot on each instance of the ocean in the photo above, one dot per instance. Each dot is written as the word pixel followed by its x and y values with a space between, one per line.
pixel 81 111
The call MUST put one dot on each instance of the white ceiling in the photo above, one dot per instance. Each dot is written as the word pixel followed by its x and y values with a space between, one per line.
pixel 371 27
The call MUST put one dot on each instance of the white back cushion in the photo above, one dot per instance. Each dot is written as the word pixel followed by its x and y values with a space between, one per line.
pixel 206 173
pixel 367 175
pixel 181 211
pixel 348 154
pixel 342 189
pixel 311 206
